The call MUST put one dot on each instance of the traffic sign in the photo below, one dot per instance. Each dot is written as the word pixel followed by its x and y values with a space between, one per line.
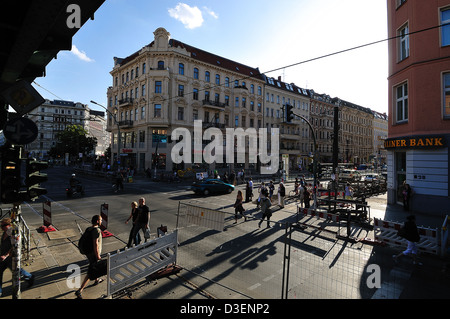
pixel 20 131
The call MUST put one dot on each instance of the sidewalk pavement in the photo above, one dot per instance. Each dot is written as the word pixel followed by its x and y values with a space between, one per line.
pixel 49 261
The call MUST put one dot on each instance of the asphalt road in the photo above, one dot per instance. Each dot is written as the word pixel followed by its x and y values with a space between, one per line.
pixel 243 261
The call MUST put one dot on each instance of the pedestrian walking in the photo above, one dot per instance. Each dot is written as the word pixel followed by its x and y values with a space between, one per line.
pixel 281 194
pixel 306 196
pixel 407 192
pixel 265 209
pixel 348 192
pixel 249 191
pixel 119 180
pixel 410 232
pixel 143 219
pixel 262 191
pixel 301 195
pixel 94 255
pixel 238 208
pixel 5 254
pixel 135 237
pixel 271 189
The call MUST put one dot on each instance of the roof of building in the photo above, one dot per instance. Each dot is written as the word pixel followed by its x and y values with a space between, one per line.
pixel 206 57
pixel 289 87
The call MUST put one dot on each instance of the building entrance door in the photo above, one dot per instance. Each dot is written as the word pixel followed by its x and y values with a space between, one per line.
pixel 400 174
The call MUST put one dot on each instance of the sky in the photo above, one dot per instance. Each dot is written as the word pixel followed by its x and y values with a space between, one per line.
pixel 279 37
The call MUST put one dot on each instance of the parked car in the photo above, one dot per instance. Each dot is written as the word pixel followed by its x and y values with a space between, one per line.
pixel 349 175
pixel 210 186
pixel 370 177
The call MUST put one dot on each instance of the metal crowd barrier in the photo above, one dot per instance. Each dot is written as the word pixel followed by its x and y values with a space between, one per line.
pixel 128 266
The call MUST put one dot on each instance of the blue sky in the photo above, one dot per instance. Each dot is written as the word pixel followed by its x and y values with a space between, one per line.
pixel 259 33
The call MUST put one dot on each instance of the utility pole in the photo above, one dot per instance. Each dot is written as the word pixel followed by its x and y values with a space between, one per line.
pixel 335 152
pixel 16 250
pixel 336 139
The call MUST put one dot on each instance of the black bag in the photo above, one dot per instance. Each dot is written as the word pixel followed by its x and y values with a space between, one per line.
pixel 98 269
pixel 282 191
pixel 402 232
pixel 85 245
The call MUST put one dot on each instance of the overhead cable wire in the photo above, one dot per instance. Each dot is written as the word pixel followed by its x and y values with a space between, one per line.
pixel 304 61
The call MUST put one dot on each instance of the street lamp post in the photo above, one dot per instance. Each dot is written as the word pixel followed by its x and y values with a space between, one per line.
pixel 118 128
pixel 314 157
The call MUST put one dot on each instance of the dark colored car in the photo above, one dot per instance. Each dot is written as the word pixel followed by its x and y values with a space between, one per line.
pixel 210 186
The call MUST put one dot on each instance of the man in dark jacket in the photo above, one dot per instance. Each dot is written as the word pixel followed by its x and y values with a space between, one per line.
pixel 143 218
pixel 411 234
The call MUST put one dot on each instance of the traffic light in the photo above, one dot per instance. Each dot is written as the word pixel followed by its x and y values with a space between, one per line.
pixel 319 170
pixel 34 177
pixel 310 167
pixel 11 175
pixel 289 113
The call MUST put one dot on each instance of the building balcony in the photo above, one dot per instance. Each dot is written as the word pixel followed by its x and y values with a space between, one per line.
pixel 212 124
pixel 125 124
pixel 214 104
pixel 125 102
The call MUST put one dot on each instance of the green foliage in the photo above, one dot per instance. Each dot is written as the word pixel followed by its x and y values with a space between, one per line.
pixel 73 140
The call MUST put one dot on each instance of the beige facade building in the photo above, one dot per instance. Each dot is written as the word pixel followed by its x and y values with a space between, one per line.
pixel 355 129
pixel 295 134
pixel 169 84
pixel 380 134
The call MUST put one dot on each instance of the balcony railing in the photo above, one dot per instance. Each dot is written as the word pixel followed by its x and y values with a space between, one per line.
pixel 126 101
pixel 126 123
pixel 214 103
pixel 213 124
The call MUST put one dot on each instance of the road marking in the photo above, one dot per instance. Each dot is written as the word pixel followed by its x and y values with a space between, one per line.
pixel 254 286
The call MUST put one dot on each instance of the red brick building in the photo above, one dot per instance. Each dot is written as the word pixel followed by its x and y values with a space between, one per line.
pixel 419 103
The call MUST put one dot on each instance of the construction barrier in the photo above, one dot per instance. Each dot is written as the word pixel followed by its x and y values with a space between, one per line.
pixel 329 193
pixel 104 225
pixel 47 217
pixel 445 236
pixel 132 264
pixel 318 213
pixel 210 218
pixel 385 232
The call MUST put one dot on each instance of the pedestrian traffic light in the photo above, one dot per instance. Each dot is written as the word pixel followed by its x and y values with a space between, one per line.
pixel 11 175
pixel 34 177
pixel 289 113
pixel 310 167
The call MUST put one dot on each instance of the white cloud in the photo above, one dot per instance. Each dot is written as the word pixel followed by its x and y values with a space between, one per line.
pixel 80 54
pixel 191 17
pixel 211 13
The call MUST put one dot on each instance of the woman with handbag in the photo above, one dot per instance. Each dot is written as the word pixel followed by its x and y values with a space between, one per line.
pixel 135 237
pixel 238 208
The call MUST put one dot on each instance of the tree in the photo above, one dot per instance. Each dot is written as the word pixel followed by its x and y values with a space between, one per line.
pixel 73 140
